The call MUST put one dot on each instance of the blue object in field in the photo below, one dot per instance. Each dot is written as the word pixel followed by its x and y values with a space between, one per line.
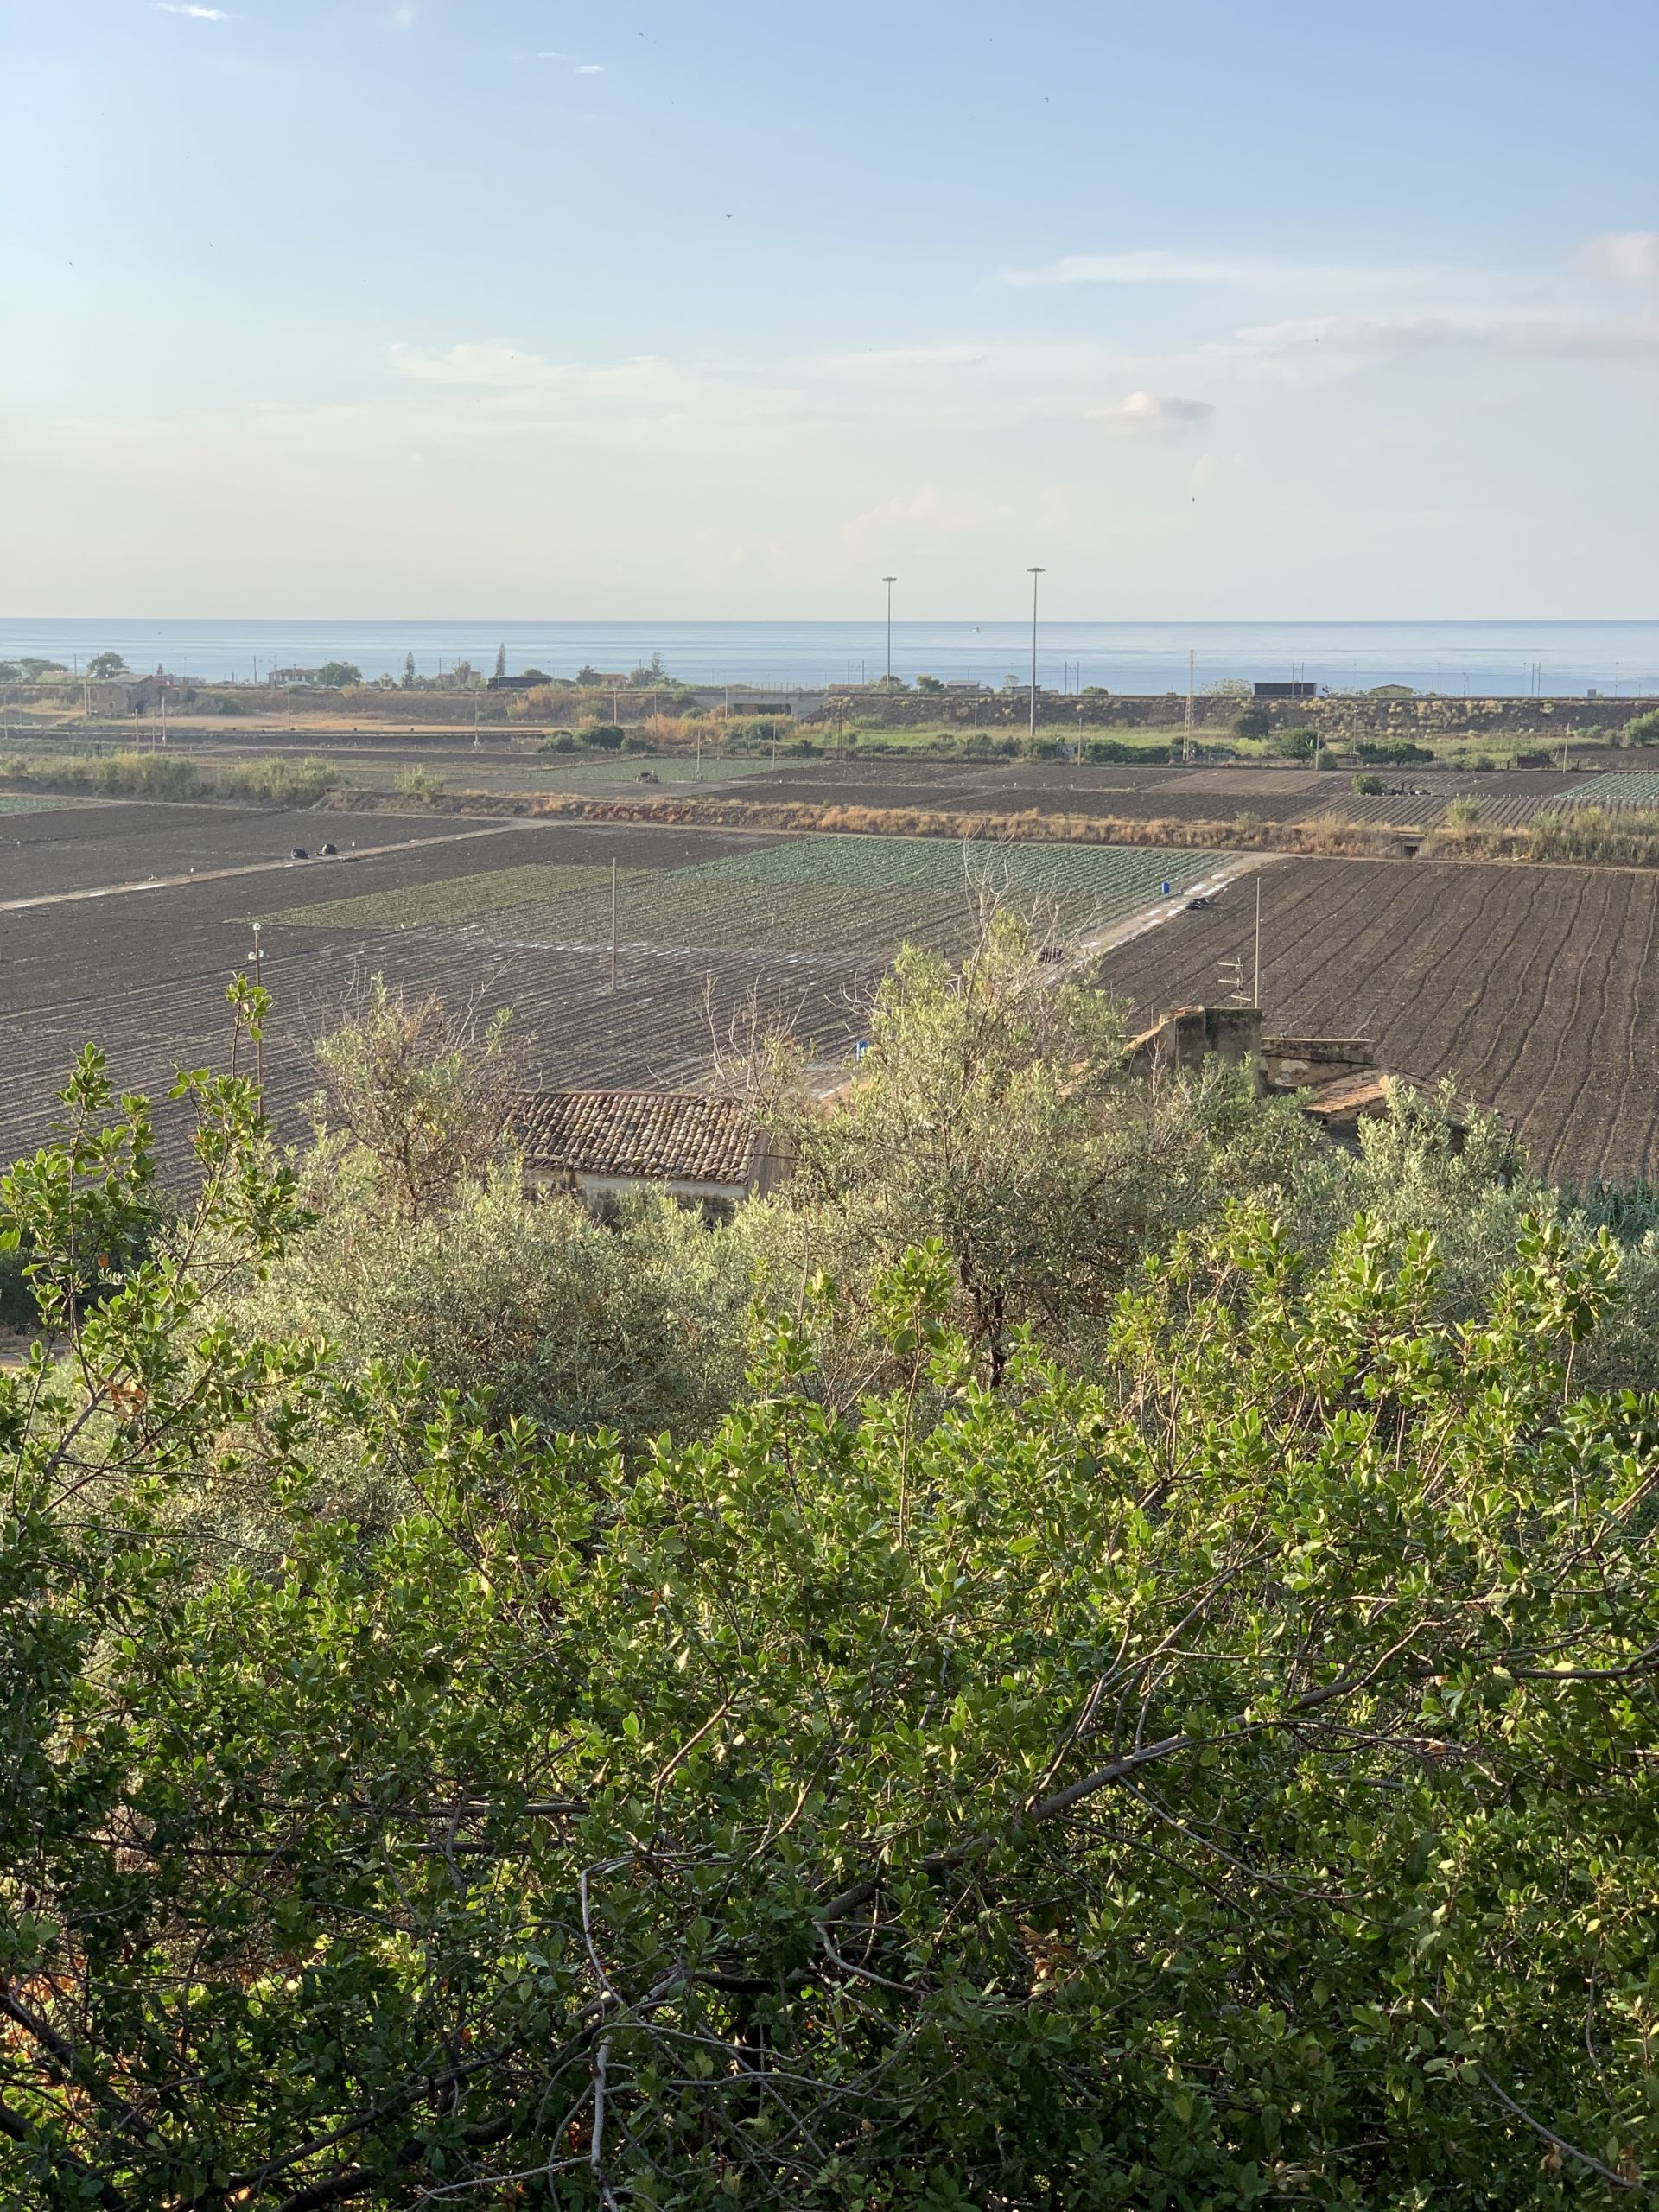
pixel 1166 891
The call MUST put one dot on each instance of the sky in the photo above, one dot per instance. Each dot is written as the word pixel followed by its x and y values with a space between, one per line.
pixel 547 309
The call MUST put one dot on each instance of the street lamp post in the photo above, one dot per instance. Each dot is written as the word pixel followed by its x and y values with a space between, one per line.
pixel 889 581
pixel 1034 574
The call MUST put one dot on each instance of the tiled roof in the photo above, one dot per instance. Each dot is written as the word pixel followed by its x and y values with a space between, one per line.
pixel 657 1136
pixel 1351 1094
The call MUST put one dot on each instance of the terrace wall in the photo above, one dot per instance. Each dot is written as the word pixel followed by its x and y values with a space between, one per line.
pixel 1345 719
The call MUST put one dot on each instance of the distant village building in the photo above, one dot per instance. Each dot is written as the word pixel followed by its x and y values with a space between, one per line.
pixel 138 695
pixel 708 1151
pixel 1298 690
pixel 294 675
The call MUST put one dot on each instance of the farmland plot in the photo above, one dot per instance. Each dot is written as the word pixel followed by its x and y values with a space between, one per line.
pixel 864 896
pixel 1621 790
pixel 1536 987
pixel 86 847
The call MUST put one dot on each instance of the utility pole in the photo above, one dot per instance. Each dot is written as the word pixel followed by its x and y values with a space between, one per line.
pixel 258 1034
pixel 612 923
pixel 889 581
pixel 1034 574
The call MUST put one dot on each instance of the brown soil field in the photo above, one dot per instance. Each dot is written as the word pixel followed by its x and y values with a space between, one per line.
pixel 1534 986
pixel 143 973
pixel 83 847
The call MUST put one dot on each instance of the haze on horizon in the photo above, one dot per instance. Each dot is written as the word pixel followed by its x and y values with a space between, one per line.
pixel 536 309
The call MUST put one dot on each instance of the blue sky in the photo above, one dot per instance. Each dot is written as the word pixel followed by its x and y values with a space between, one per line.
pixel 526 309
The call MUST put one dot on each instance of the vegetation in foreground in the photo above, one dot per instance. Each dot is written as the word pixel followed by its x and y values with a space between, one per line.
pixel 1143 1695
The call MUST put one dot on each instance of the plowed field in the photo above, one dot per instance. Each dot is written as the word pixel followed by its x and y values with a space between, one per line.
pixel 1536 987
pixel 717 929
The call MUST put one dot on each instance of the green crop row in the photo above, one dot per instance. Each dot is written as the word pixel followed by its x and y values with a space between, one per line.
pixel 866 895
pixel 457 898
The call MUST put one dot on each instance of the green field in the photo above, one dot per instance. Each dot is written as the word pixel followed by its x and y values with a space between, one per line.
pixel 811 894
pixel 1620 787
pixel 18 803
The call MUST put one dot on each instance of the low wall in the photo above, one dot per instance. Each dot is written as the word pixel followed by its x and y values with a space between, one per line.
pixel 1299 1063
pixel 1339 720
pixel 1189 1035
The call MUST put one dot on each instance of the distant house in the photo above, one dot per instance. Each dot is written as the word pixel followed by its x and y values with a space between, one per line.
pixel 294 675
pixel 1286 691
pixel 138 695
pixel 601 1144
pixel 1337 1080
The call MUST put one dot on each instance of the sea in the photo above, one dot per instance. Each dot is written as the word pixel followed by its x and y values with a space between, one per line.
pixel 1480 659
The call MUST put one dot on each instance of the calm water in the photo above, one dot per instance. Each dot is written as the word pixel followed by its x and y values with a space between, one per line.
pixel 1620 659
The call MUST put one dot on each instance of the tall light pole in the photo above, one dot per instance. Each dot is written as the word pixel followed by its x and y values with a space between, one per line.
pixel 1034 574
pixel 889 581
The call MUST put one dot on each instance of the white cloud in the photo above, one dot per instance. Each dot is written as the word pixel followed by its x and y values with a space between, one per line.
pixel 1623 256
pixel 547 53
pixel 1149 411
pixel 202 15
pixel 1160 268
pixel 590 68
pixel 1522 333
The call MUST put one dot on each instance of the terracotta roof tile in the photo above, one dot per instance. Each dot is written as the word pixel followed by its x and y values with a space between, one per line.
pixel 657 1136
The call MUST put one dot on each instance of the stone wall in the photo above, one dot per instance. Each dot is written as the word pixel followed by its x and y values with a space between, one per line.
pixel 1340 720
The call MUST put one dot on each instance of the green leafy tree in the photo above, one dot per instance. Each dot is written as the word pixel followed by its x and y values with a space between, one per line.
pixel 604 737
pixel 102 666
pixel 990 1110
pixel 337 674
pixel 419 1096
pixel 1221 1779
pixel 1643 730
pixel 1296 744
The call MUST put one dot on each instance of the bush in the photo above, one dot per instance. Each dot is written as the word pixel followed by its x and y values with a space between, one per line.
pixel 603 737
pixel 1369 786
pixel 1217 1766
pixel 1643 729
pixel 557 740
pixel 1254 721
pixel 276 780
pixel 1393 752
pixel 1297 744
pixel 421 786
